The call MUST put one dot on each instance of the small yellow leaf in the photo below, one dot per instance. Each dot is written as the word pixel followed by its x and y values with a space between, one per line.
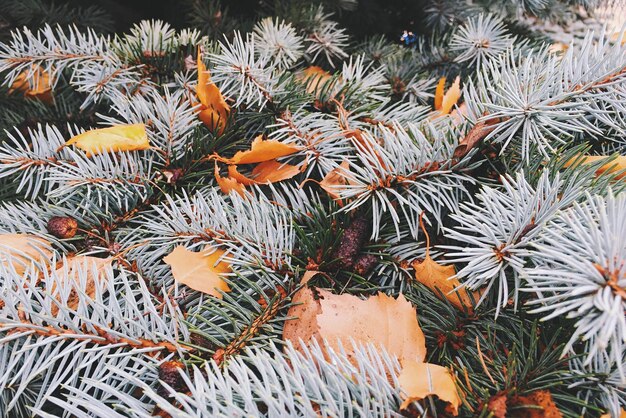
pixel 113 139
pixel 262 150
pixel 42 88
pixel 451 97
pixel 94 268
pixel 439 93
pixel 614 166
pixel 336 179
pixel 200 271
pixel 419 380
pixel 315 78
pixel 20 250
pixel 214 109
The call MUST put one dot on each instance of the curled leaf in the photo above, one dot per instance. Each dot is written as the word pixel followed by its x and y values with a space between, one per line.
pixel 40 88
pixel 445 102
pixel 419 380
pixel 336 179
pixel 114 139
pixel 229 184
pixel 214 109
pixel 262 150
pixel 200 271
pixel 21 250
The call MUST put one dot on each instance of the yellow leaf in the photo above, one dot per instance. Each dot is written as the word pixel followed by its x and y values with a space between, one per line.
pixel 262 150
pixel 200 271
pixel 273 171
pixel 435 276
pixel 94 268
pixel 214 109
pixel 315 78
pixel 21 250
pixel 42 89
pixel 419 380
pixel 114 139
pixel 380 320
pixel 445 102
pixel 614 166
pixel 229 184
pixel 439 93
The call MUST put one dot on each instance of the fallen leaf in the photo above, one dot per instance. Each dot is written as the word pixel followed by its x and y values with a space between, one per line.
pixel 437 277
pixel 262 150
pixel 214 109
pixel 474 136
pixel 273 171
pixel 113 139
pixel 229 184
pixel 445 102
pixel 622 415
pixel 20 250
pixel 497 405
pixel 315 78
pixel 336 179
pixel 41 88
pixel 611 167
pixel 380 320
pixel 419 380
pixel 94 268
pixel 200 271
pixel 526 406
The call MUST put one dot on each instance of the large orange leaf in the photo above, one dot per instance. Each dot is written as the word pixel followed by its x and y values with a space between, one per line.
pixel 114 139
pixel 94 268
pixel 200 271
pixel 214 109
pixel 262 150
pixel 445 102
pixel 21 250
pixel 42 88
pixel 419 380
pixel 380 320
pixel 273 171
pixel 229 184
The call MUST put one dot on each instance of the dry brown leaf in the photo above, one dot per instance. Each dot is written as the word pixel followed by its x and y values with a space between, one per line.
pixel 336 179
pixel 214 109
pixel 542 399
pixel 200 271
pixel 435 276
pixel 262 150
pixel 229 184
pixel 20 250
pixel 380 320
pixel 114 139
pixel 497 405
pixel 42 88
pixel 445 102
pixel 95 269
pixel 419 380
pixel 614 166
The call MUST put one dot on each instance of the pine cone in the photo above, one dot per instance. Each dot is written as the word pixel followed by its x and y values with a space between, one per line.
pixel 365 264
pixel 353 238
pixel 169 373
pixel 62 226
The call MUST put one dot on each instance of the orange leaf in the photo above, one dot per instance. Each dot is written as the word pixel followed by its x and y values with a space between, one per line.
pixel 435 276
pixel 419 380
pixel 113 139
pixel 622 415
pixel 273 171
pixel 93 267
pixel 315 78
pixel 42 88
pixel 380 320
pixel 611 167
pixel 439 93
pixel 214 110
pixel 538 404
pixel 228 184
pixel 20 250
pixel 262 150
pixel 199 271
pixel 335 179
pixel 445 102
